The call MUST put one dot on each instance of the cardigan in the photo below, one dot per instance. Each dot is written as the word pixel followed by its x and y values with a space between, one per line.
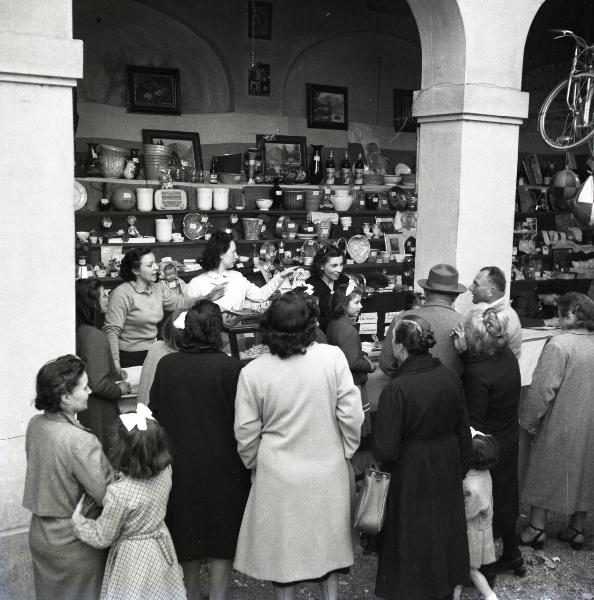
pixel 324 295
pixel 342 332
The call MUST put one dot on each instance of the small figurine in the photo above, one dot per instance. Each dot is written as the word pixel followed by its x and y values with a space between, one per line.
pixel 165 179
pixel 378 163
pixel 132 230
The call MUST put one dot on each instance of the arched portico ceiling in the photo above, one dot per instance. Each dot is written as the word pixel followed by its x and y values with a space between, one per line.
pixel 117 33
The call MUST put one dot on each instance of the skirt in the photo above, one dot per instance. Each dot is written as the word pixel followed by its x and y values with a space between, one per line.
pixel 63 566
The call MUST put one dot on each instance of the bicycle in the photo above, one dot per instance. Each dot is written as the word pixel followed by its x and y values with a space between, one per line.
pixel 566 118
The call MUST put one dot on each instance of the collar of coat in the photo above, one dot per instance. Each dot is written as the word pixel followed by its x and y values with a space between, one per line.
pixel 64 417
pixel 417 363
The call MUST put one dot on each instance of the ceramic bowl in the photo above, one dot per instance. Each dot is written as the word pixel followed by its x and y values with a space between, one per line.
pixel 244 259
pixel 342 203
pixel 339 192
pixel 264 204
pixel 83 236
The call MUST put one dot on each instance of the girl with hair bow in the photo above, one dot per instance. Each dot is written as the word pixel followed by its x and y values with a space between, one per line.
pixel 141 562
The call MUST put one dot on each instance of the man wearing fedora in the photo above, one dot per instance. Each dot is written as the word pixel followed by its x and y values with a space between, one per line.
pixel 441 290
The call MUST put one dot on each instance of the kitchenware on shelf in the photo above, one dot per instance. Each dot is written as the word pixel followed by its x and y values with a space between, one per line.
pixel 156 157
pixel 293 199
pixel 163 230
pixel 80 195
pixel 268 251
pixel 289 229
pixel 220 198
pixel 392 179
pixel 305 236
pixel 323 229
pixel 371 201
pixel 171 199
pixel 264 203
pixel 359 248
pixel 309 248
pixel 112 161
pixel 312 199
pixel 123 198
pixel 341 192
pixel 342 203
pixel 193 226
pixel 144 199
pixel 229 178
pixel 252 228
pixel 204 198
pixel 83 236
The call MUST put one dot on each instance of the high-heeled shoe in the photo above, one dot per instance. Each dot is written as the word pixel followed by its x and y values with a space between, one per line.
pixel 516 565
pixel 571 538
pixel 537 542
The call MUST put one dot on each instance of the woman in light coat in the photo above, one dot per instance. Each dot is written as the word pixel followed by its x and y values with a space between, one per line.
pixel 298 418
pixel 558 412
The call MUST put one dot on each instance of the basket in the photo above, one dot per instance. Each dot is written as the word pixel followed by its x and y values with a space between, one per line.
pixel 252 228
pixel 293 199
pixel 312 200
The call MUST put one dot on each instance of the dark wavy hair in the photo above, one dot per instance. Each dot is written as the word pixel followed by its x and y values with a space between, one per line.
pixel 216 246
pixel 87 293
pixel 322 256
pixel 140 454
pixel 56 378
pixel 415 334
pixel 288 326
pixel 581 305
pixel 131 261
pixel 496 277
pixel 485 452
pixel 203 326
pixel 340 300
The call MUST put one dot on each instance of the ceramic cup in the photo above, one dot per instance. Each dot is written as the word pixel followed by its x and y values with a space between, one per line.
pixel 204 198
pixel 221 198
pixel 163 229
pixel 144 199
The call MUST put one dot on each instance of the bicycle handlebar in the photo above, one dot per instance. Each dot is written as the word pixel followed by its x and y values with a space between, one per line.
pixel 566 33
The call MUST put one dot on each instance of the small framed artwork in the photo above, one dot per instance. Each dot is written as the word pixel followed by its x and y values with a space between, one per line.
pixel 403 119
pixel 151 90
pixel 259 20
pixel 394 242
pixel 185 145
pixel 259 80
pixel 283 156
pixel 327 106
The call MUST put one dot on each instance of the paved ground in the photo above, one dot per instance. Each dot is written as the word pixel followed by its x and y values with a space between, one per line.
pixel 555 573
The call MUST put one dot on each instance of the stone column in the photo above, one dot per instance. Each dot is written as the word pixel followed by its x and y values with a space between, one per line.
pixel 469 110
pixel 39 65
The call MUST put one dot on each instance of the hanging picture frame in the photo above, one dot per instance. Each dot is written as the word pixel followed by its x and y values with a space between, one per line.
pixel 185 145
pixel 283 156
pixel 327 106
pixel 259 20
pixel 152 90
pixel 259 80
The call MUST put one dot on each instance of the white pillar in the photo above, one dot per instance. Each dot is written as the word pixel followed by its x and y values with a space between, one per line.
pixel 39 64
pixel 469 109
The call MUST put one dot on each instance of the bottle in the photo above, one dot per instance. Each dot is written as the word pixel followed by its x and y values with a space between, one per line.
pixel 315 169
pixel 345 169
pixel 330 169
pixel 359 168
pixel 214 174
pixel 183 173
pixel 276 194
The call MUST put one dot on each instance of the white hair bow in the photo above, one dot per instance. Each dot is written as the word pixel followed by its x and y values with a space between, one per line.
pixel 137 418
pixel 350 288
pixel 474 432
pixel 180 322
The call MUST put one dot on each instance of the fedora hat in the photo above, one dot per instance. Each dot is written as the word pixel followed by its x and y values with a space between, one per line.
pixel 442 278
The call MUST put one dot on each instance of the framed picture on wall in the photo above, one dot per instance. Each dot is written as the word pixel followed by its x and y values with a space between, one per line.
pixel 394 242
pixel 259 80
pixel 259 20
pixel 283 156
pixel 151 90
pixel 403 119
pixel 327 106
pixel 185 145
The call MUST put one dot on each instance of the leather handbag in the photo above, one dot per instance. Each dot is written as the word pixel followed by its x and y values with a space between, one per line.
pixel 370 508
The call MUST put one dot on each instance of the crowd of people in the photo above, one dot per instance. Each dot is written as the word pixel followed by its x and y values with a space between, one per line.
pixel 248 464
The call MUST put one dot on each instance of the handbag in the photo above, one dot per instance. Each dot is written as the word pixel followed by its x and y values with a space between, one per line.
pixel 370 508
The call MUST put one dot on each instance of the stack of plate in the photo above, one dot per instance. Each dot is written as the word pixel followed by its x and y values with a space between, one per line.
pixel 156 157
pixel 373 179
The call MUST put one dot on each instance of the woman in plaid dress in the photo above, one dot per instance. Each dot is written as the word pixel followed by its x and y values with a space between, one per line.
pixel 142 564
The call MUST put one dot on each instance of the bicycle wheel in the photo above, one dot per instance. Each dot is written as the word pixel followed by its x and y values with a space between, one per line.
pixel 561 127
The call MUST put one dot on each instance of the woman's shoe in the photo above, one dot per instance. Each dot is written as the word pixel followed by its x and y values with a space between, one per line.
pixel 570 539
pixel 537 542
pixel 515 564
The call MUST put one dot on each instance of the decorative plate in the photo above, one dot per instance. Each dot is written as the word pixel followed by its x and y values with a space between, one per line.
pixel 306 236
pixel 80 195
pixel 359 248
pixel 193 226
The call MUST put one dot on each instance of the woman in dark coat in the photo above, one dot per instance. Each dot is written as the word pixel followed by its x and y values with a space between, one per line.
pixel 193 397
pixel 423 438
pixel 492 386
pixel 93 347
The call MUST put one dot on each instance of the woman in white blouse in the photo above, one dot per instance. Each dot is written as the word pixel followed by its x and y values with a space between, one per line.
pixel 218 259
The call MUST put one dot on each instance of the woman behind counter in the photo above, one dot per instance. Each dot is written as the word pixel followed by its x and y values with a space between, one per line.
pixel 297 422
pixel 218 259
pixel 137 306
pixel 63 461
pixel 92 347
pixel 558 412
pixel 193 396
pixel 326 276
pixel 422 435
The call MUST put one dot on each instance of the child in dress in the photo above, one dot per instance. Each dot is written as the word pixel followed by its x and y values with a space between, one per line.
pixel 478 500
pixel 141 563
